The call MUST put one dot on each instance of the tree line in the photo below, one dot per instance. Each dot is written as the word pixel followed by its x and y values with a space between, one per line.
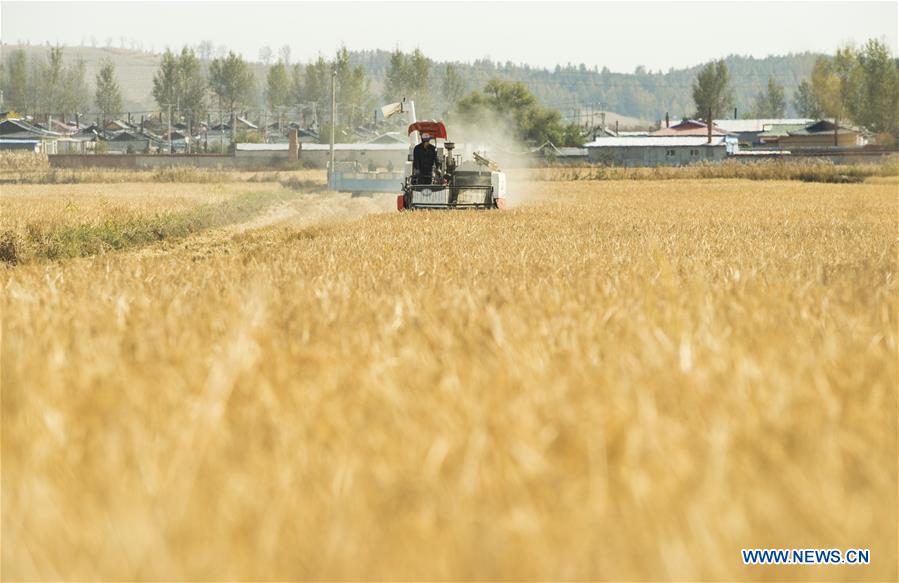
pixel 857 86
pixel 44 84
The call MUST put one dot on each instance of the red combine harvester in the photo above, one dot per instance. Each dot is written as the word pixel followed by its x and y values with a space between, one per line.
pixel 458 184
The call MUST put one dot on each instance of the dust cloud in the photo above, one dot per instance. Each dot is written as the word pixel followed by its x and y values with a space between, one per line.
pixel 320 209
pixel 494 137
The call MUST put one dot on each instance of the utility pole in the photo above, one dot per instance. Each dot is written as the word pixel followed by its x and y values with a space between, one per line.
pixel 333 118
pixel 171 148
pixel 233 128
pixel 189 134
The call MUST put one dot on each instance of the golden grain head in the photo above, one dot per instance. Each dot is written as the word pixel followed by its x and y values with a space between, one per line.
pixel 613 380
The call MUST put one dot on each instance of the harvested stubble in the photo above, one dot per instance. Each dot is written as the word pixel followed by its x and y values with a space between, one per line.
pixel 64 221
pixel 626 381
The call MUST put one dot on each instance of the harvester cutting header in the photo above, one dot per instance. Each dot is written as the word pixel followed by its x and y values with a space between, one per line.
pixel 438 178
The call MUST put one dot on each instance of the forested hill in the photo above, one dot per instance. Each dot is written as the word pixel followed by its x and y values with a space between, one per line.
pixel 643 94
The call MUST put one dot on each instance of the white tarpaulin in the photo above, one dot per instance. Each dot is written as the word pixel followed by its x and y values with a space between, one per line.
pixel 391 109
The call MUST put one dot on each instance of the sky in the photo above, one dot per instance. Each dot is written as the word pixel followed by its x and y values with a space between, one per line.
pixel 619 35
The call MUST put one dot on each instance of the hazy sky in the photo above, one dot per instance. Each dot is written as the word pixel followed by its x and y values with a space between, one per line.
pixel 620 35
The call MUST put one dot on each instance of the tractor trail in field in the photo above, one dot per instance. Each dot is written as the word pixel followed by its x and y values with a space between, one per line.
pixel 318 209
pixel 307 210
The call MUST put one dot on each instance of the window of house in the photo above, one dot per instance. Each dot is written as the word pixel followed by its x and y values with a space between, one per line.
pixel 694 152
pixel 669 152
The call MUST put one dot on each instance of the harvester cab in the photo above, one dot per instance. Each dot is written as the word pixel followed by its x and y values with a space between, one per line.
pixel 478 183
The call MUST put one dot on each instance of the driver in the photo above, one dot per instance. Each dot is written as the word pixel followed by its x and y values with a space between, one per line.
pixel 424 160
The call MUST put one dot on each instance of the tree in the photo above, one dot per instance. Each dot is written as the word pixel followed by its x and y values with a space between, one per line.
pixel 56 88
pixel 825 88
pixel 418 77
pixel 453 86
pixel 179 82
pixel 770 103
pixel 108 96
pixel 859 86
pixel 395 80
pixel 878 95
pixel 509 104
pixel 317 83
pixel 204 50
pixel 409 76
pixel 277 86
pixel 16 81
pixel 313 84
pixel 231 80
pixel 845 67
pixel 165 80
pixel 191 85
pixel 712 91
pixel 52 76
pixel 835 84
pixel 297 89
pixel 76 95
pixel 284 54
pixel 352 89
pixel 805 102
pixel 266 55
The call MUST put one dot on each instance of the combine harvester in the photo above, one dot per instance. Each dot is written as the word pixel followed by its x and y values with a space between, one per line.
pixel 460 184
pixel 477 183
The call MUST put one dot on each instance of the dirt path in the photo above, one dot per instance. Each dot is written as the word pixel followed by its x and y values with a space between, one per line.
pixel 307 210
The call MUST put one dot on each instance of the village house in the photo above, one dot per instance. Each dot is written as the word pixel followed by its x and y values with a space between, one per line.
pixel 658 150
pixel 128 143
pixel 749 132
pixel 821 134
pixel 18 134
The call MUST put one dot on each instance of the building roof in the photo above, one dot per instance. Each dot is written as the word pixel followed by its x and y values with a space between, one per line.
pixel 90 132
pixel 21 129
pixel 127 137
pixel 758 125
pixel 62 127
pixel 563 151
pixel 241 122
pixel 821 127
pixel 116 125
pixel 780 130
pixel 689 127
pixel 655 142
pixel 389 138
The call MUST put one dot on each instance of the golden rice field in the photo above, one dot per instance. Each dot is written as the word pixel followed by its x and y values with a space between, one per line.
pixel 74 204
pixel 621 380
